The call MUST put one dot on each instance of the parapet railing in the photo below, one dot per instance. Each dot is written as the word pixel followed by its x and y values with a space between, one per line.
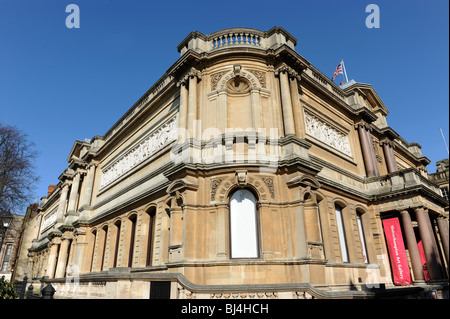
pixel 245 37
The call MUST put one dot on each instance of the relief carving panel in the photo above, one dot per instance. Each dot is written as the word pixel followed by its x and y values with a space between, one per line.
pixel 327 134
pixel 150 144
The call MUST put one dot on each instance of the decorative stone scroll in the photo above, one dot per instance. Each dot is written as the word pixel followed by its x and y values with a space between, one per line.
pixel 214 186
pixel 327 134
pixel 150 144
pixel 261 76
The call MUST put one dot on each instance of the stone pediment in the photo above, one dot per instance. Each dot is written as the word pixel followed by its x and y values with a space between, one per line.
pixel 180 185
pixel 305 181
pixel 371 98
pixel 76 151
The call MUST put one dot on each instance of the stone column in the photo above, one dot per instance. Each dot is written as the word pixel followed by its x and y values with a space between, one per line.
pixel 183 115
pixel 286 104
pixel 299 119
pixel 427 243
pixel 388 149
pixel 52 260
pixel 62 203
pixel 74 193
pixel 435 245
pixel 87 196
pixel 411 242
pixel 62 258
pixel 192 104
pixel 443 231
pixel 368 154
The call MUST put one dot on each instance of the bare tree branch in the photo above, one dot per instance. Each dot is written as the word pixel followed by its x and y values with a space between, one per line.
pixel 17 173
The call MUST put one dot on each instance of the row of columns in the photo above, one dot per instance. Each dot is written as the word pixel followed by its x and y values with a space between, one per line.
pixel 188 104
pixel 430 247
pixel 59 248
pixel 370 160
pixel 74 185
pixel 388 149
pixel 293 119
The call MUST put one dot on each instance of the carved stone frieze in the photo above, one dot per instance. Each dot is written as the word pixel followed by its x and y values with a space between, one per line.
pixel 146 147
pixel 327 134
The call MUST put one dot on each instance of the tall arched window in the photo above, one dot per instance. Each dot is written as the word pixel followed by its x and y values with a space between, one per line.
pixel 341 233
pixel 94 241
pixel 151 232
pixel 362 236
pixel 133 220
pixel 105 238
pixel 243 225
pixel 118 225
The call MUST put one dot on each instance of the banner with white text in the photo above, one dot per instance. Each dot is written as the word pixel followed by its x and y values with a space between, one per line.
pixel 397 253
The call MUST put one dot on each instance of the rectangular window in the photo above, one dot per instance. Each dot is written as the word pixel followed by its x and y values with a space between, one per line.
pixel 341 232
pixel 6 258
pixel 362 237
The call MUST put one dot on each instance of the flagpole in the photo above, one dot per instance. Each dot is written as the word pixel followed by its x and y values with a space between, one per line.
pixel 345 72
pixel 444 140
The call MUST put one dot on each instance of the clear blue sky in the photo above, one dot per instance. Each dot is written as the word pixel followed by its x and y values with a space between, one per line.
pixel 59 85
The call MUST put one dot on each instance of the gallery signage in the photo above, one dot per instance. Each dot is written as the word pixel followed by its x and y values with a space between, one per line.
pixel 397 253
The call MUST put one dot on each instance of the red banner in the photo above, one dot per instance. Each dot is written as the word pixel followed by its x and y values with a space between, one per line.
pixel 424 261
pixel 397 253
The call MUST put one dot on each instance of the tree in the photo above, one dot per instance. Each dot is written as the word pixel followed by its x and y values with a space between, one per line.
pixel 17 173
pixel 7 290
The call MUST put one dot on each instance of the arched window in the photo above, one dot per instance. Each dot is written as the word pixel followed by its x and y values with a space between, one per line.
pixel 151 232
pixel 94 239
pixel 362 236
pixel 117 225
pixel 105 238
pixel 243 225
pixel 341 232
pixel 132 220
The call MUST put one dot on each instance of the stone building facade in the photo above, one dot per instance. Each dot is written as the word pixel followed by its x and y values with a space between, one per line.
pixel 441 178
pixel 243 172
pixel 8 249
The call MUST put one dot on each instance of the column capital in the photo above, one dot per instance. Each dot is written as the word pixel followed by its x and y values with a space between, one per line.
pixel 192 73
pixel 91 164
pixel 66 183
pixel 419 208
pixel 284 68
pixel 387 141
pixel 363 124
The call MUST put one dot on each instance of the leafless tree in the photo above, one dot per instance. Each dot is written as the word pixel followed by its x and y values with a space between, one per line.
pixel 18 177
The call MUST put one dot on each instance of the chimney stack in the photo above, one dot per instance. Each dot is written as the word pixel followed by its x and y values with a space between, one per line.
pixel 51 188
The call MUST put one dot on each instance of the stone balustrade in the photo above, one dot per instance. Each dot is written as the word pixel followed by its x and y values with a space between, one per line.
pixel 237 37
pixel 400 180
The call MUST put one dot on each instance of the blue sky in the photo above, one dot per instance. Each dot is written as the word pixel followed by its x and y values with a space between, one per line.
pixel 59 85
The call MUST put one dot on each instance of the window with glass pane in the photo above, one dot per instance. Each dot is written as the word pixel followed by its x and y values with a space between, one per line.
pixel 6 257
pixel 341 232
pixel 362 237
